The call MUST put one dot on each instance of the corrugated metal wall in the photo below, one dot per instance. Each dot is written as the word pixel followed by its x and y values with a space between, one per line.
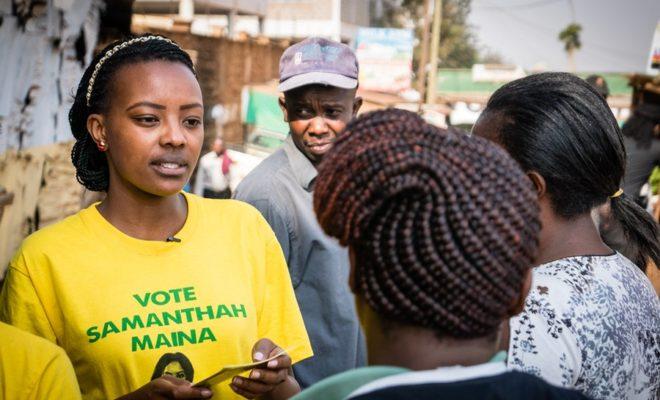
pixel 44 47
pixel 43 55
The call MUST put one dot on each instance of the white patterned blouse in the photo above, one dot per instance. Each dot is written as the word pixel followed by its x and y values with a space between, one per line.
pixel 591 323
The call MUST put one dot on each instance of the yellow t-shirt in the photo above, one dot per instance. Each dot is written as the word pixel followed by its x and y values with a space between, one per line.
pixel 32 368
pixel 126 310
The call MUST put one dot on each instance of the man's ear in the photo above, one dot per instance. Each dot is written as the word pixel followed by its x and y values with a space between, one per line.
pixel 539 183
pixel 282 104
pixel 518 304
pixel 357 103
pixel 96 128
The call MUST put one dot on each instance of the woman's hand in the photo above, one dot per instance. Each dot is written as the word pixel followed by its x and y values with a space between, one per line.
pixel 275 381
pixel 168 387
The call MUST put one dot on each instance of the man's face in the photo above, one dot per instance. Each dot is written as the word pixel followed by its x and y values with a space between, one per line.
pixel 316 115
pixel 218 146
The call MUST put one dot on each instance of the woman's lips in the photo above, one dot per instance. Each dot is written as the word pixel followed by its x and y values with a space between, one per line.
pixel 170 168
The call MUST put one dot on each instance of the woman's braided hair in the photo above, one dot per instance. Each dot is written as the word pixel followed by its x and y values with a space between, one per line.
pixel 443 226
pixel 91 164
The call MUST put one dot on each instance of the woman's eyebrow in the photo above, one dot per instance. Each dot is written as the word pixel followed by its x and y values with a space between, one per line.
pixel 191 105
pixel 147 104
pixel 162 107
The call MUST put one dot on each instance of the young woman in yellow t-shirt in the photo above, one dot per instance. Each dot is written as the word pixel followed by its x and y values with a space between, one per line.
pixel 153 289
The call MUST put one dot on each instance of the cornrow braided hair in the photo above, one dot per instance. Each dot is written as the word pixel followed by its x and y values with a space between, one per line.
pixel 91 163
pixel 443 226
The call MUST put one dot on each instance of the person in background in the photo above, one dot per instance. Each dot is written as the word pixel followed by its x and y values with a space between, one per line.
pixel 213 173
pixel 592 319
pixel 442 229
pixel 600 84
pixel 32 368
pixel 319 80
pixel 151 270
pixel 219 116
pixel 642 140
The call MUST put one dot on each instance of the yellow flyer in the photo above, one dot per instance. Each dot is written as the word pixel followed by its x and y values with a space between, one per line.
pixel 230 371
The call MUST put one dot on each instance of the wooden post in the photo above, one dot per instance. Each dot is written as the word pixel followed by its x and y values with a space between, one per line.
pixel 186 10
pixel 431 87
pixel 421 68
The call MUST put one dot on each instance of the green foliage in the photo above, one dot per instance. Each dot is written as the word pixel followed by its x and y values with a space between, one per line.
pixel 571 37
pixel 457 42
pixel 654 181
pixel 488 56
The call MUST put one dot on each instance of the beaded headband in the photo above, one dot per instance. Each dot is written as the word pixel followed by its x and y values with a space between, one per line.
pixel 115 49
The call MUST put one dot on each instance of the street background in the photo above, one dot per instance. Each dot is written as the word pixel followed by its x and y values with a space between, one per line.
pixel 440 58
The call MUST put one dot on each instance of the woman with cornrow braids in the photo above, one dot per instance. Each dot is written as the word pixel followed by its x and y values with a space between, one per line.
pixel 592 319
pixel 442 230
pixel 153 289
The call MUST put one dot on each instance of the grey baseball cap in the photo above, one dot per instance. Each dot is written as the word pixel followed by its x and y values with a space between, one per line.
pixel 318 61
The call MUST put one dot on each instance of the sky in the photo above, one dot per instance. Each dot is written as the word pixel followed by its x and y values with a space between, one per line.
pixel 616 34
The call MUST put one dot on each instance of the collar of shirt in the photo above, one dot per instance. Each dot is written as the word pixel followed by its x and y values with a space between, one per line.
pixel 303 169
pixel 213 155
pixel 439 375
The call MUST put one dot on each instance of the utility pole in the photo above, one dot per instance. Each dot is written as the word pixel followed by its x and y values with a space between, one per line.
pixel 186 10
pixel 231 20
pixel 435 41
pixel 336 20
pixel 424 58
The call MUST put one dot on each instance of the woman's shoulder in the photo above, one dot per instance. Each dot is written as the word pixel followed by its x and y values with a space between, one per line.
pixel 597 286
pixel 560 286
pixel 561 277
pixel 339 386
pixel 229 212
pixel 33 346
pixel 224 207
pixel 584 271
pixel 64 232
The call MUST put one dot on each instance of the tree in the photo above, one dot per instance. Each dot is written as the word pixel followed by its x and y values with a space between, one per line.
pixel 457 43
pixel 489 56
pixel 570 36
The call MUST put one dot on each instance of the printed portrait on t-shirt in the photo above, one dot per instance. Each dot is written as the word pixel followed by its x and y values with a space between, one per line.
pixel 176 365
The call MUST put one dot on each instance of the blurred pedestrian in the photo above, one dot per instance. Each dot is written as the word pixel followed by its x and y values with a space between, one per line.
pixel 600 84
pixel 642 139
pixel 214 172
pixel 442 229
pixel 318 78
pixel 591 320
pixel 220 117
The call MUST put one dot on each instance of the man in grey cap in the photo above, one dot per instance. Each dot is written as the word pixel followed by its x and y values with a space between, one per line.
pixel 318 78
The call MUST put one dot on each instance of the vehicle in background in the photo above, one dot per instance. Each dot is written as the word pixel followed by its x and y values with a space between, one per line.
pixel 262 142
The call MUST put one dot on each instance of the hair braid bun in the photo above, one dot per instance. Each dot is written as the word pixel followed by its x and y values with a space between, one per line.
pixel 443 225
